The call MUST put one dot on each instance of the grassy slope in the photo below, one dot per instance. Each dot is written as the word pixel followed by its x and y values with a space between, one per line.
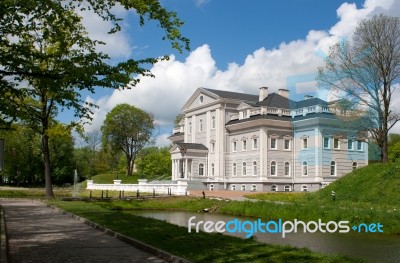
pixel 374 185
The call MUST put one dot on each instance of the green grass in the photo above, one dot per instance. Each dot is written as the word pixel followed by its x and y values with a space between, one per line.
pixel 197 247
pixel 108 178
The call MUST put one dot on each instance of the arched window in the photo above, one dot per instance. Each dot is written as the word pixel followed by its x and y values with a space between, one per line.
pixel 333 168
pixel 304 188
pixel 287 168
pixel 201 99
pixel 273 168
pixel 274 188
pixel 255 168
pixel 213 122
pixel 212 169
pixel 305 168
pixel 211 187
pixel 254 188
pixel 234 169
pixel 243 187
pixel 287 188
pixel 201 125
pixel 201 169
pixel 233 187
pixel 355 165
pixel 244 169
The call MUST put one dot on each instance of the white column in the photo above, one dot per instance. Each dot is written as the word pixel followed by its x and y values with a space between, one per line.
pixel 173 169
pixel 194 128
pixel 186 168
pixel 318 157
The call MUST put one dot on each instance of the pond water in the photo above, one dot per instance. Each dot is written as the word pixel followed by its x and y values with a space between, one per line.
pixel 373 247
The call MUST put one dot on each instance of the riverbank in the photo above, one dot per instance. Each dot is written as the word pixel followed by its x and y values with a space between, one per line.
pixel 197 247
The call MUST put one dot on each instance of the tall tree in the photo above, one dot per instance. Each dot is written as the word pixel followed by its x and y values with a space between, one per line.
pixel 155 162
pixel 47 58
pixel 127 129
pixel 366 71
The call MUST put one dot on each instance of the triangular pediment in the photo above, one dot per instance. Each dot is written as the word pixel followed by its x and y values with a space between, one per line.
pixel 244 105
pixel 200 98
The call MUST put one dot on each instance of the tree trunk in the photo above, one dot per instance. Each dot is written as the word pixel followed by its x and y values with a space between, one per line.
pixel 129 168
pixel 47 173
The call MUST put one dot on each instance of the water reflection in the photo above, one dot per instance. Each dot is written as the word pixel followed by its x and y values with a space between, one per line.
pixel 372 247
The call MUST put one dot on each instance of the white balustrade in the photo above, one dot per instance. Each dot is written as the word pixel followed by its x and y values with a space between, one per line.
pixel 175 188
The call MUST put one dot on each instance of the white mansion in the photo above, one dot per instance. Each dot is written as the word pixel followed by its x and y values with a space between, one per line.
pixel 264 142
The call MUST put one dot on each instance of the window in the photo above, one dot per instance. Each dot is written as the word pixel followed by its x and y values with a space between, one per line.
pixel 273 143
pixel 274 188
pixel 305 143
pixel 244 114
pixel 211 187
pixel 244 148
pixel 305 168
pixel 233 187
pixel 243 187
pixel 326 143
pixel 212 169
pixel 234 169
pixel 255 168
pixel 333 168
pixel 234 146
pixel 354 165
pixel 359 145
pixel 201 169
pixel 190 127
pixel 201 125
pixel 336 143
pixel 287 168
pixel 213 122
pixel 254 188
pixel 287 145
pixel 255 143
pixel 304 188
pixel 212 147
pixel 244 168
pixel 287 188
pixel 349 144
pixel 201 99
pixel 273 168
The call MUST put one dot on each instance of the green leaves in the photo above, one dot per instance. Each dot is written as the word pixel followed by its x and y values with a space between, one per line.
pixel 127 129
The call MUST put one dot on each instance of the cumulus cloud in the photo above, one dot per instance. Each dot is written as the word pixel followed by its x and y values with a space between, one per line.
pixel 293 63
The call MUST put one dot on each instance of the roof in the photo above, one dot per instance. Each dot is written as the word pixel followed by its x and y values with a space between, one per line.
pixel 310 102
pixel 192 146
pixel 277 101
pixel 234 95
pixel 258 117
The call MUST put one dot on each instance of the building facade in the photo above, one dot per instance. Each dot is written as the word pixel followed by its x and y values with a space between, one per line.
pixel 264 142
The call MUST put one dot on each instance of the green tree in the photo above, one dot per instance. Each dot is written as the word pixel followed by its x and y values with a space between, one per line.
pixel 22 155
pixel 47 58
pixel 367 70
pixel 127 129
pixel 61 147
pixel 154 162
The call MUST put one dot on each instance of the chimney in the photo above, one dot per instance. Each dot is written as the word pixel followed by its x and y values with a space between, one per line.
pixel 263 93
pixel 284 93
pixel 307 97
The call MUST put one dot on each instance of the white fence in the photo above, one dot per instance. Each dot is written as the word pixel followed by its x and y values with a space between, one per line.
pixel 173 188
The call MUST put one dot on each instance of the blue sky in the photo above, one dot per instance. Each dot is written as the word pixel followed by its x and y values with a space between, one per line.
pixel 236 45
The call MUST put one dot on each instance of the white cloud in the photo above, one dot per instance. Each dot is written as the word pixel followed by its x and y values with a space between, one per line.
pixel 200 3
pixel 294 61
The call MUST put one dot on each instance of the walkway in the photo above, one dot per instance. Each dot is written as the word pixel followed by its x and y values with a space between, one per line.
pixel 37 233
